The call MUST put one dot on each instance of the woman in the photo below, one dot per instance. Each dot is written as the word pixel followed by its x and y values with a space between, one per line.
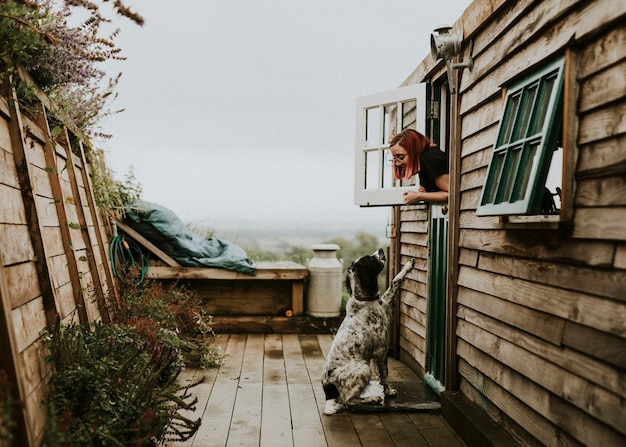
pixel 413 153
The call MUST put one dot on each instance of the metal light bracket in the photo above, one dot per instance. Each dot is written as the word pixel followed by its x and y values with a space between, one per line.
pixel 445 45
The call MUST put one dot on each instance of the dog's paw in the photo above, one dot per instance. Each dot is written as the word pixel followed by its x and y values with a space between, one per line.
pixel 332 407
pixel 378 399
pixel 410 264
pixel 391 392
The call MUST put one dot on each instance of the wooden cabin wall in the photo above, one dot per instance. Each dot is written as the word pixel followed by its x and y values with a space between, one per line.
pixel 413 295
pixel 53 251
pixel 541 312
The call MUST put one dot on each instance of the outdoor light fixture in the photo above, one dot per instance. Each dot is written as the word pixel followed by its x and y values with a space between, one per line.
pixel 445 45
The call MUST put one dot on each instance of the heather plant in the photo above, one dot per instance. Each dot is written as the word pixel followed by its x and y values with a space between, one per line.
pixel 108 387
pixel 170 314
pixel 63 59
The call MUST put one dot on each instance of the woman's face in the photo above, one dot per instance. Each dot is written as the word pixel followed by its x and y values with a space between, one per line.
pixel 400 155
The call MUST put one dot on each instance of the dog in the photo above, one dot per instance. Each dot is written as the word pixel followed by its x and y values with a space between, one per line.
pixel 362 339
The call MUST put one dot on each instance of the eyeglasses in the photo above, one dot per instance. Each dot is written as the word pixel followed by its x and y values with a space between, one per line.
pixel 398 159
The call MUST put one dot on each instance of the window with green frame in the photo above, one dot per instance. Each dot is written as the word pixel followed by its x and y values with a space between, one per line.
pixel 528 137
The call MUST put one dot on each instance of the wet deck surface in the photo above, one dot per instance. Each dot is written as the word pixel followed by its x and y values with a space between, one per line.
pixel 268 393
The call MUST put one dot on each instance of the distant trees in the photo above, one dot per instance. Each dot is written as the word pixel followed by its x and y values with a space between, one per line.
pixel 351 249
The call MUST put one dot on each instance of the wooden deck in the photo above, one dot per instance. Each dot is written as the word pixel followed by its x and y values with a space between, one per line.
pixel 268 393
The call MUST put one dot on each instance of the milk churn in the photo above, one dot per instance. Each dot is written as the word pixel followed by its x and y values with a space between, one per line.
pixel 325 281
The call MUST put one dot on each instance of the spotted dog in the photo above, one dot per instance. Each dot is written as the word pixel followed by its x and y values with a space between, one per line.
pixel 363 337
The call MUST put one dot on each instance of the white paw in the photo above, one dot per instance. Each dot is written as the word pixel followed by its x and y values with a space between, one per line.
pixel 332 407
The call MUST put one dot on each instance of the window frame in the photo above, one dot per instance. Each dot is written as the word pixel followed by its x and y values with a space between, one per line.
pixel 382 194
pixel 529 200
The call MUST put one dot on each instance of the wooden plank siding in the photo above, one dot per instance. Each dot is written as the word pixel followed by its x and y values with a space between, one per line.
pixel 539 327
pixel 48 269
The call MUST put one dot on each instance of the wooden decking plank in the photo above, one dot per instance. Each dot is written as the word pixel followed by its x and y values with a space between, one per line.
pixel 325 340
pixel 435 430
pixel 294 361
pixel 306 422
pixel 273 361
pixel 245 427
pixel 202 391
pixel 276 417
pixel 371 430
pixel 275 413
pixel 221 402
pixel 307 425
pixel 402 430
pixel 338 429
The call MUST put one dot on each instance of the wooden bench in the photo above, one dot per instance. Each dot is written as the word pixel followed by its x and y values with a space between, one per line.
pixel 277 289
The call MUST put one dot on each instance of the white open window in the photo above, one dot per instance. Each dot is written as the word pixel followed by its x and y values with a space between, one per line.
pixel 378 118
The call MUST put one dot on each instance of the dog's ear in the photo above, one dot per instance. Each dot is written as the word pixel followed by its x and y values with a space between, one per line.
pixel 366 272
pixel 348 281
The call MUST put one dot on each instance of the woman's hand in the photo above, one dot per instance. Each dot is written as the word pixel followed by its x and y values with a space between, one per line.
pixel 413 197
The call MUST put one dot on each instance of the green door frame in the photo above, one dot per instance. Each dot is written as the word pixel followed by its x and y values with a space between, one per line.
pixel 437 292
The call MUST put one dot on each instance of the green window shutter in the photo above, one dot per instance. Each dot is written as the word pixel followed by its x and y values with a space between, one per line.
pixel 527 137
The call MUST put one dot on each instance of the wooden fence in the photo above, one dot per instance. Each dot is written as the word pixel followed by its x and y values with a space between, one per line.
pixel 53 247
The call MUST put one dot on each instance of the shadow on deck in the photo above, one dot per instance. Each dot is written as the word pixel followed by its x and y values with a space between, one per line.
pixel 268 393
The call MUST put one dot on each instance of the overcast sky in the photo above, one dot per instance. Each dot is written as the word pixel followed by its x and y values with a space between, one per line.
pixel 245 110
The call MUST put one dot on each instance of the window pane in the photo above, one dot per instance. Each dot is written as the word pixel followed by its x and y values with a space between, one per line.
pixel 542 106
pixel 506 128
pixel 372 167
pixel 494 180
pixel 528 165
pixel 555 176
pixel 409 114
pixel 511 166
pixel 391 118
pixel 372 127
pixel 527 106
pixel 387 170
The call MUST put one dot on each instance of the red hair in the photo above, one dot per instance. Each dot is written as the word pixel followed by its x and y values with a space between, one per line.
pixel 415 144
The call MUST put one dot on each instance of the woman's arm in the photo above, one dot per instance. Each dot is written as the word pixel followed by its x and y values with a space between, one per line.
pixel 414 197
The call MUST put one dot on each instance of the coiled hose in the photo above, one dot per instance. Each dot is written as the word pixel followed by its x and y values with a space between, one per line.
pixel 126 254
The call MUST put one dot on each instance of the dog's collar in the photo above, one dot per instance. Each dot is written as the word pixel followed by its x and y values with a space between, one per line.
pixel 367 298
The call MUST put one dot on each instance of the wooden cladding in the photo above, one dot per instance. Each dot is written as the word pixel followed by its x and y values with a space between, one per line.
pixel 53 250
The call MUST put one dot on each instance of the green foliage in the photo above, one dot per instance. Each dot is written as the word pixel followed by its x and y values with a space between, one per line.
pixel 108 387
pixel 112 195
pixel 62 59
pixel 169 314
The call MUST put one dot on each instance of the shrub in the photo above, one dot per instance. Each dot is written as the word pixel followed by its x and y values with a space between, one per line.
pixel 170 314
pixel 108 387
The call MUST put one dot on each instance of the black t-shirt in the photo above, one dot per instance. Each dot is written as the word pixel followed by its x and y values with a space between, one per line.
pixel 433 163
